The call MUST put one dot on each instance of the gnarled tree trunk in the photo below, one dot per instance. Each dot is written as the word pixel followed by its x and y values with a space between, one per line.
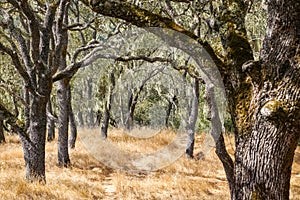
pixel 34 151
pixel 267 140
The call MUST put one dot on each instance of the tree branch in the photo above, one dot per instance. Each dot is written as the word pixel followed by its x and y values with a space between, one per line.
pixel 10 119
pixel 144 18
pixel 17 63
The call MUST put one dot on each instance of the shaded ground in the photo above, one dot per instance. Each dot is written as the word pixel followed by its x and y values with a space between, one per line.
pixel 90 179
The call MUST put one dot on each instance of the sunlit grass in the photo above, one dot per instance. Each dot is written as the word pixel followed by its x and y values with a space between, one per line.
pixel 88 178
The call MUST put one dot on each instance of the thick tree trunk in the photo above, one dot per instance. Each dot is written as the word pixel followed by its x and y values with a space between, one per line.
pixel 265 147
pixel 2 138
pixel 73 126
pixel 63 122
pixel 64 100
pixel 34 152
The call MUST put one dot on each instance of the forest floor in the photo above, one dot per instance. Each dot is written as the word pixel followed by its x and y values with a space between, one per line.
pixel 88 178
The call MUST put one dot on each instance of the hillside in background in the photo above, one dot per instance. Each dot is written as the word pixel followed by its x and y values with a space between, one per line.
pixel 88 178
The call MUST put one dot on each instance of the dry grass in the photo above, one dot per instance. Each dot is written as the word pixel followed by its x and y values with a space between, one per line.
pixel 89 179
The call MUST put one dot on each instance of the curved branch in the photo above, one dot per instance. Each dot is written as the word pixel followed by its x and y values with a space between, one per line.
pixel 144 18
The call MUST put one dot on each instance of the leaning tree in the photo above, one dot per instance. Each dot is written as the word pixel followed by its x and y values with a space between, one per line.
pixel 263 95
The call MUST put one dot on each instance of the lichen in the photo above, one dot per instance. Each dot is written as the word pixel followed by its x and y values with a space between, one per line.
pixel 275 109
pixel 243 99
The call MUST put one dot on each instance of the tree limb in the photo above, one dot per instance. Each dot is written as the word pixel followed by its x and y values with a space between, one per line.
pixel 10 119
pixel 144 18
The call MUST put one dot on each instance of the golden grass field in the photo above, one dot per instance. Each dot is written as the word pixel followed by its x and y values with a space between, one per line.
pixel 88 178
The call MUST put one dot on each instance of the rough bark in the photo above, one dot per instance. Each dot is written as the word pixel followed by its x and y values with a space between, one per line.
pixel 2 137
pixel 34 152
pixel 26 109
pixel 63 95
pixel 63 122
pixel 265 149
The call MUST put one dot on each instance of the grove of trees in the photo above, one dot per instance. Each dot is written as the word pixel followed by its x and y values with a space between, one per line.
pixel 254 44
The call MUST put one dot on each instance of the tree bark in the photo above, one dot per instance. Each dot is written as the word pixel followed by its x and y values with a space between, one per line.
pixel 63 122
pixel 26 109
pixel 73 126
pixel 2 137
pixel 130 111
pixel 34 152
pixel 63 97
pixel 265 149
pixel 50 123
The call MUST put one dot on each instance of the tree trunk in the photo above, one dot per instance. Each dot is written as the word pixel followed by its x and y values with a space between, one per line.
pixel 107 108
pixel 50 122
pixel 73 127
pixel 193 116
pixel 105 124
pixel 265 145
pixel 216 132
pixel 26 109
pixel 2 138
pixel 98 118
pixel 63 122
pixel 34 152
pixel 130 109
pixel 90 112
pixel 64 100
